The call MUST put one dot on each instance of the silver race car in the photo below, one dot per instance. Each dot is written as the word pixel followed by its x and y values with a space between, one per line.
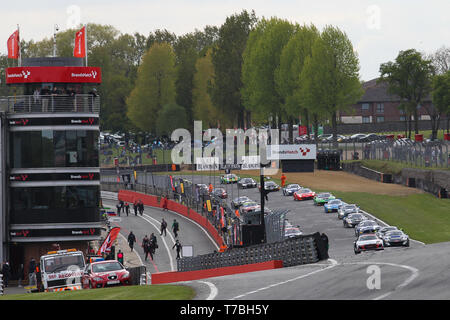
pixel 367 242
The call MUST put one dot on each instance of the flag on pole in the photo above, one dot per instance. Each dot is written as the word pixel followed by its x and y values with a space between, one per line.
pixel 13 45
pixel 79 49
pixel 222 220
pixel 106 245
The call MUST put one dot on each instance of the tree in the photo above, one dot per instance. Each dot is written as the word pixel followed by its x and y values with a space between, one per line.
pixel 441 96
pixel 261 59
pixel 203 108
pixel 287 75
pixel 227 60
pixel 171 117
pixel 330 78
pixel 155 87
pixel 409 77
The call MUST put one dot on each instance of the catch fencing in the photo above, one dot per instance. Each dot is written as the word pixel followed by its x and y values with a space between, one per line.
pixel 293 251
pixel 1 284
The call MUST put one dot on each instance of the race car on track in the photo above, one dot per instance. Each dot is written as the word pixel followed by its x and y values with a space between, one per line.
pixel 237 202
pixel 105 274
pixel 250 206
pixel 304 194
pixel 245 183
pixel 382 231
pixel 229 178
pixel 290 189
pixel 333 205
pixel 366 226
pixel 367 242
pixel 219 193
pixel 395 238
pixel 270 186
pixel 347 209
pixel 323 198
pixel 290 231
pixel 353 219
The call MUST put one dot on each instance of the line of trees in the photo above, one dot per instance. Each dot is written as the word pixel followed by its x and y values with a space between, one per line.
pixel 247 72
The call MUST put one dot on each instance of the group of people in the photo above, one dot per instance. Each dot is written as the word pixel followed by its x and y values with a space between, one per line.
pixel 138 206
pixel 33 273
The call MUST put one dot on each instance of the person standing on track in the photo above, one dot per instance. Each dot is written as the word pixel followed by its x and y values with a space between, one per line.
pixel 146 246
pixel 127 208
pixel 178 246
pixel 164 203
pixel 131 240
pixel 141 207
pixel 175 228
pixel 163 227
pixel 283 180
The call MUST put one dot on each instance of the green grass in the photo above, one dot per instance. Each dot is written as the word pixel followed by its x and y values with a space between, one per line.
pixel 151 292
pixel 392 167
pixel 422 216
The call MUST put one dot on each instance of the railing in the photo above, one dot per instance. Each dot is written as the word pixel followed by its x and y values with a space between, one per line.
pixel 80 103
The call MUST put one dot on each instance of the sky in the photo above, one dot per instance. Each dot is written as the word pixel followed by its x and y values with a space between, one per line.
pixel 378 29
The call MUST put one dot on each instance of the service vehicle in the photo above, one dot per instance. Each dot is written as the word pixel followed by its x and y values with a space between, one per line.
pixel 322 198
pixel 395 238
pixel 237 202
pixel 245 183
pixel 229 178
pixel 366 226
pixel 304 194
pixel 290 189
pixel 346 209
pixel 353 219
pixel 367 242
pixel 62 270
pixel 103 274
pixel 333 205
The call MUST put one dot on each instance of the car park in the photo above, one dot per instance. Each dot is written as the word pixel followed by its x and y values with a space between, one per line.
pixel 352 220
pixel 245 183
pixel 395 238
pixel 229 178
pixel 304 194
pixel 103 274
pixel 367 242
pixel 290 189
pixel 237 202
pixel 322 198
pixel 356 137
pixel 347 209
pixel 333 205
pixel 366 226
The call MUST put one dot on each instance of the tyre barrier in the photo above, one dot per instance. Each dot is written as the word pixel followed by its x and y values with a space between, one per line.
pixel 136 275
pixel 294 251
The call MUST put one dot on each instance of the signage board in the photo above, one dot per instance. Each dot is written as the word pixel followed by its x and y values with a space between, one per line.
pixel 291 152
pixel 16 75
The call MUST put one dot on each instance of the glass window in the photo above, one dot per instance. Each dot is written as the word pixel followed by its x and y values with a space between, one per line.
pixel 402 118
pixel 365 106
pixel 59 138
pixel 48 151
pixel 366 119
pixel 380 108
pixel 380 119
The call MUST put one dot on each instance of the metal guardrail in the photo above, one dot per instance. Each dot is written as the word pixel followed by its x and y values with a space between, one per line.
pixel 80 103
pixel 292 251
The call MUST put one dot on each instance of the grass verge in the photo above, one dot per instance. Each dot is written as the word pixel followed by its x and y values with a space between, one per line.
pixel 151 292
pixel 392 167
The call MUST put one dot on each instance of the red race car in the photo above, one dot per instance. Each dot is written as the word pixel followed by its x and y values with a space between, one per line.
pixel 103 274
pixel 304 194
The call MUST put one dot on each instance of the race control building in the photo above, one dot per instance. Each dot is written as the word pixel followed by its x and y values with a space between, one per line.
pixel 49 168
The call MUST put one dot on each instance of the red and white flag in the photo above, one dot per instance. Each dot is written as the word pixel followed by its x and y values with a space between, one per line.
pixel 106 246
pixel 79 49
pixel 13 45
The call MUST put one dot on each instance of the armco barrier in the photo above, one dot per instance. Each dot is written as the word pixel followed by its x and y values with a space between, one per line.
pixel 173 276
pixel 149 200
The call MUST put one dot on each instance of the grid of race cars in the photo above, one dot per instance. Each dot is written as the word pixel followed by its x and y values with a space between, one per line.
pixel 369 235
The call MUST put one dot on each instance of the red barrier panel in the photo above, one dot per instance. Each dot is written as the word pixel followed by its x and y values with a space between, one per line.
pixel 152 201
pixel 168 277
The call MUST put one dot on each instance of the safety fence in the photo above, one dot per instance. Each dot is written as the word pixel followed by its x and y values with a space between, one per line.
pixel 1 284
pixel 293 251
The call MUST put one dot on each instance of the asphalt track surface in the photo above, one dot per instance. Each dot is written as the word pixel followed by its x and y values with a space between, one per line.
pixel 418 272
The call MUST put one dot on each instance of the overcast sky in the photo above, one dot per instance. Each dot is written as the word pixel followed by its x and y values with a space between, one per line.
pixel 378 29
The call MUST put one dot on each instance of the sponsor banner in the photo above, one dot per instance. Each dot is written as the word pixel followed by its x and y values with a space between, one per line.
pixel 79 49
pixel 250 163
pixel 53 74
pixel 31 233
pixel 230 166
pixel 207 163
pixel 291 152
pixel 13 45
pixel 63 121
pixel 83 176
pixel 64 275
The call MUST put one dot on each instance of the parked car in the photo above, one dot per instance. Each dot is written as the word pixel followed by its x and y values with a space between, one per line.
pixel 103 274
pixel 245 183
pixel 395 238
pixel 304 194
pixel 290 189
pixel 356 137
pixel 367 242
pixel 352 220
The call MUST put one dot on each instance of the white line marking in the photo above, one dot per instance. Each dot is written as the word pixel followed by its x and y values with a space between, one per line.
pixel 212 290
pixel 333 264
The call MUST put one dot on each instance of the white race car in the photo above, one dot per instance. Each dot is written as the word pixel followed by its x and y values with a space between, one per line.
pixel 368 242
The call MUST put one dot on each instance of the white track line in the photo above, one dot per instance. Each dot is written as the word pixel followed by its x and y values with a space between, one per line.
pixel 212 290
